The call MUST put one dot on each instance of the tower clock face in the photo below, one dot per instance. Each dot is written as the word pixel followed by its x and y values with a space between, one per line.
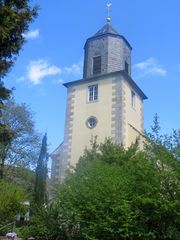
pixel 91 122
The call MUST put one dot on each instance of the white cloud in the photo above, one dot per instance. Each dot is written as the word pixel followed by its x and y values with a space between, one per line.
pixel 40 69
pixel 32 34
pixel 37 70
pixel 74 69
pixel 150 67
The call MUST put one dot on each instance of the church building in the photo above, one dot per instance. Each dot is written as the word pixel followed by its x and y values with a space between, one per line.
pixel 105 103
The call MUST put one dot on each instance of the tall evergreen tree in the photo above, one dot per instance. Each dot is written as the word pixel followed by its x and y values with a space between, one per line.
pixel 40 194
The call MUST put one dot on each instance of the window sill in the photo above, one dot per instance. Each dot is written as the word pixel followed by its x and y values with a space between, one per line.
pixel 95 101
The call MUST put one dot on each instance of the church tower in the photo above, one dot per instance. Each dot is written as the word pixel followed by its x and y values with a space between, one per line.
pixel 105 103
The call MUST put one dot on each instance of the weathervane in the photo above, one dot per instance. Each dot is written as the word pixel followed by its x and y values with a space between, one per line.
pixel 108 12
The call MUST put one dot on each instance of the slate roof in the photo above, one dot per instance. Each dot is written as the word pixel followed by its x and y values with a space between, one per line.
pixel 57 151
pixel 107 28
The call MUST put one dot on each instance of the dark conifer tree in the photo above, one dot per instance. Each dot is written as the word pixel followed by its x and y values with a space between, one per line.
pixel 40 194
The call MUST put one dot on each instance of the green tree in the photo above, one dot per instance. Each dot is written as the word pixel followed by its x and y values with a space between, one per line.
pixel 6 135
pixel 169 144
pixel 43 224
pixel 23 150
pixel 4 94
pixel 117 193
pixel 122 194
pixel 11 199
pixel 15 17
pixel 40 194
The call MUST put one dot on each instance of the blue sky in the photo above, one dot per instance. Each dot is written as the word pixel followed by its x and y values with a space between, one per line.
pixel 54 53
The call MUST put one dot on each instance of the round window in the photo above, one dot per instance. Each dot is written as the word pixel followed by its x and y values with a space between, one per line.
pixel 91 122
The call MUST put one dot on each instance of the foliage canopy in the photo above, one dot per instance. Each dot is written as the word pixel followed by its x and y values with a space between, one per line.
pixel 15 17
pixel 115 193
pixel 23 150
pixel 11 202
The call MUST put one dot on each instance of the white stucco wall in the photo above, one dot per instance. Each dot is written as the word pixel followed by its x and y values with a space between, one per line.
pixel 101 109
pixel 133 115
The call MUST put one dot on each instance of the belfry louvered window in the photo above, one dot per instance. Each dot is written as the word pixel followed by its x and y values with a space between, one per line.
pixel 97 65
pixel 126 67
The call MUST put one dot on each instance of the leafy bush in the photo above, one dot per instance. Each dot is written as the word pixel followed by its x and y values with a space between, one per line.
pixel 117 193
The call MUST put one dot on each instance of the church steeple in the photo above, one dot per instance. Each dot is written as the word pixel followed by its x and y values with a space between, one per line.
pixel 105 103
pixel 105 52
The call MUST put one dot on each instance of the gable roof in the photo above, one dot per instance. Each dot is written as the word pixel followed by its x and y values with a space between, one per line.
pixel 57 151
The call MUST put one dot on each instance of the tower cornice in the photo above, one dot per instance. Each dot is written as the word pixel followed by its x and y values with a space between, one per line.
pixel 108 34
pixel 98 78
